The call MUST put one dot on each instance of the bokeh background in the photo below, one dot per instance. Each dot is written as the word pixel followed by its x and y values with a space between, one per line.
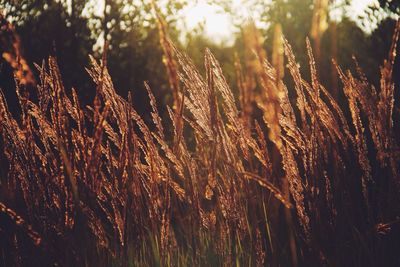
pixel 72 30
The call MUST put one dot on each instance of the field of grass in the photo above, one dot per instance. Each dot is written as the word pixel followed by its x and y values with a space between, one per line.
pixel 310 182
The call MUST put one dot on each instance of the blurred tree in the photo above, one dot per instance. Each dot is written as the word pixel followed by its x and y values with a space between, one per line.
pixel 379 42
pixel 134 53
pixel 54 28
pixel 391 5
pixel 296 18
pixel 71 30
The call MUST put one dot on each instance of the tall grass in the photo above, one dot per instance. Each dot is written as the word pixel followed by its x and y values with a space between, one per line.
pixel 98 186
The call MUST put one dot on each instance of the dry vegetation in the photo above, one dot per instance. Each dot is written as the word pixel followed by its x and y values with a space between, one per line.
pixel 315 183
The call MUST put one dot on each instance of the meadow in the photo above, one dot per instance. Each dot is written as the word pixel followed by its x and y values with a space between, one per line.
pixel 285 175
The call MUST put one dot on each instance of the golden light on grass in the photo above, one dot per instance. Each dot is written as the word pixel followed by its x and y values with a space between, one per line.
pixel 208 182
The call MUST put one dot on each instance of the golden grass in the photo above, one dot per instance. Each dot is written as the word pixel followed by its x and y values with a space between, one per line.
pixel 149 198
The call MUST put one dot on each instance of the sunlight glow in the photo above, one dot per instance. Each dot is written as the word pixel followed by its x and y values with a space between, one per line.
pixel 211 18
pixel 219 27
pixel 216 23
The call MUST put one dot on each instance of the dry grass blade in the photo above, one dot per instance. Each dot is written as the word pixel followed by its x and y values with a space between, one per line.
pixel 19 221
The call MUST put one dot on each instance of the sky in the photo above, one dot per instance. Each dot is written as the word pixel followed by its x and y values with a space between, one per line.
pixel 219 27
